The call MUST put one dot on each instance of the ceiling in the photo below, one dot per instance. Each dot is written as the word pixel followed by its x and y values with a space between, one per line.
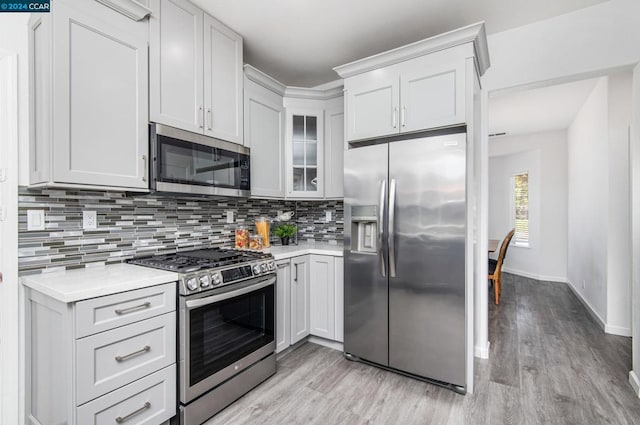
pixel 536 110
pixel 298 42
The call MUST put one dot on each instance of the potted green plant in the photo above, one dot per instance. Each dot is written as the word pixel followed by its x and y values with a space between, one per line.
pixel 285 231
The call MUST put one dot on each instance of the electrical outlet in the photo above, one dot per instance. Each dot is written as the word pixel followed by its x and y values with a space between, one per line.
pixel 278 213
pixel 35 219
pixel 89 220
pixel 229 216
pixel 327 216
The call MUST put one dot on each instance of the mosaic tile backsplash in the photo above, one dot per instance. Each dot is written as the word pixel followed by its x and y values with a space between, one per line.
pixel 134 225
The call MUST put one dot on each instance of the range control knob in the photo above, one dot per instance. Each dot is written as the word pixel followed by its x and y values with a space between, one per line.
pixel 215 279
pixel 271 265
pixel 264 267
pixel 256 269
pixel 204 281
pixel 192 284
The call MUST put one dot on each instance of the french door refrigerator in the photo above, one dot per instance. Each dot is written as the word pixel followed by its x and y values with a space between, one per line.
pixel 404 256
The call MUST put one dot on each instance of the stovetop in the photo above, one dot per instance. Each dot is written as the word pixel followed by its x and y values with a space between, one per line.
pixel 201 259
pixel 208 269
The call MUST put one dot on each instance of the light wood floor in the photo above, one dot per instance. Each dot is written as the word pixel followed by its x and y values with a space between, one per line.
pixel 550 364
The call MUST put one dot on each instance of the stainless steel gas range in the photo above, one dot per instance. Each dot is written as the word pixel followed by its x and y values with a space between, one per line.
pixel 226 326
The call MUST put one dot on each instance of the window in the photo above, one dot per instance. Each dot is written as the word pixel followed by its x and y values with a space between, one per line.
pixel 521 209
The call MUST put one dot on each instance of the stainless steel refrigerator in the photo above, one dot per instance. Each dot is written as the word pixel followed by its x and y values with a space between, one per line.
pixel 404 256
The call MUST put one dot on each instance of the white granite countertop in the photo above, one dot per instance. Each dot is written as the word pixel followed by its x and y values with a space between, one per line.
pixel 281 252
pixel 81 284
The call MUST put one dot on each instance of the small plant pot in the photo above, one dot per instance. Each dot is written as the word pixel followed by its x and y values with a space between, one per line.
pixel 285 240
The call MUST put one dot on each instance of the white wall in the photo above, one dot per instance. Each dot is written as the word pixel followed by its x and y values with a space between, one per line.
pixel 634 375
pixel 587 42
pixel 619 221
pixel 544 156
pixel 588 184
pixel 583 42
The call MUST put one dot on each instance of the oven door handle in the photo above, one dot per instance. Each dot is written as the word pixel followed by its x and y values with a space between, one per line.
pixel 231 294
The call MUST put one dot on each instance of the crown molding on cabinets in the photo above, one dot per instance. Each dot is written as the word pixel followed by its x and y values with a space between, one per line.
pixel 474 33
pixel 315 94
pixel 129 8
pixel 264 80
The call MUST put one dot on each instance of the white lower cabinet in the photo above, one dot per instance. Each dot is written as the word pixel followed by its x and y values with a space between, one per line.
pixel 283 303
pixel 322 294
pixel 123 371
pixel 300 326
pixel 309 299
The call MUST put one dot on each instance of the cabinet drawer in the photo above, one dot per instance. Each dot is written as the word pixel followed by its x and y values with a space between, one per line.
pixel 150 400
pixel 104 313
pixel 111 359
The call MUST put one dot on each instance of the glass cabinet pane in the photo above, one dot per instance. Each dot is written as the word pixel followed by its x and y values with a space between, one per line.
pixel 312 181
pixel 298 127
pixel 298 179
pixel 298 153
pixel 312 154
pixel 312 132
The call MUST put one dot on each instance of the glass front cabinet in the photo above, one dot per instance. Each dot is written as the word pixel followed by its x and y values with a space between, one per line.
pixel 305 147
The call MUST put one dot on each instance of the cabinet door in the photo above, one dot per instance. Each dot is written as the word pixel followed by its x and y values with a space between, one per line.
pixel 305 153
pixel 322 296
pixel 334 149
pixel 223 80
pixel 176 77
pixel 339 282
pixel 432 93
pixel 372 104
pixel 264 125
pixel 283 305
pixel 300 327
pixel 100 91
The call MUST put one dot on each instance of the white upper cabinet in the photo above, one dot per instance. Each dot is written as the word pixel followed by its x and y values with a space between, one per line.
pixel 196 78
pixel 176 75
pixel 432 92
pixel 416 87
pixel 373 101
pixel 264 122
pixel 305 153
pixel 223 80
pixel 89 91
pixel 334 148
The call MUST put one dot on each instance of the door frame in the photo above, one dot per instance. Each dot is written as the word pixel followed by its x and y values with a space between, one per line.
pixel 11 363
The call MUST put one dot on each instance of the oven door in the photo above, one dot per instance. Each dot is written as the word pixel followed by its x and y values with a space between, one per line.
pixel 186 162
pixel 223 333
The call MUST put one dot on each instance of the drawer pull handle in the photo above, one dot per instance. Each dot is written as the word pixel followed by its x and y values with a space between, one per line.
pixel 135 353
pixel 121 419
pixel 130 309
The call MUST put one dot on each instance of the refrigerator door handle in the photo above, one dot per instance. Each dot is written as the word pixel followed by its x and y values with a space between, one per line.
pixel 381 205
pixel 392 233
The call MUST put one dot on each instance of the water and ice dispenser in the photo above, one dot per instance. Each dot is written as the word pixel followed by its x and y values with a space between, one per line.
pixel 364 228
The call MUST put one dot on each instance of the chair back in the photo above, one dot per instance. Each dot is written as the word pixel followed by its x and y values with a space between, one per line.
pixel 503 249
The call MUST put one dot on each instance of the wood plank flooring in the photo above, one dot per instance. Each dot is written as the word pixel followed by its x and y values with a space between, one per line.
pixel 550 364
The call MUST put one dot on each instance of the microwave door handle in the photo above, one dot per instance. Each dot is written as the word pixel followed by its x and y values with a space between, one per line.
pixel 231 294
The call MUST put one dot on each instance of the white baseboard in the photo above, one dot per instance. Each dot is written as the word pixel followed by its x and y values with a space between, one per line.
pixel 617 330
pixel 609 329
pixel 535 275
pixel 588 305
pixel 326 343
pixel 635 383
pixel 481 352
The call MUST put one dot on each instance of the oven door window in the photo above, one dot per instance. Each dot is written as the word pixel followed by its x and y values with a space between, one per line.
pixel 226 331
pixel 191 163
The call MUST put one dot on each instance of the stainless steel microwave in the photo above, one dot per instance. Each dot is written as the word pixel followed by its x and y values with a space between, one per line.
pixel 186 162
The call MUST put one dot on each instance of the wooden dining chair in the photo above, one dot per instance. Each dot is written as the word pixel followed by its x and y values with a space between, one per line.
pixel 495 267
